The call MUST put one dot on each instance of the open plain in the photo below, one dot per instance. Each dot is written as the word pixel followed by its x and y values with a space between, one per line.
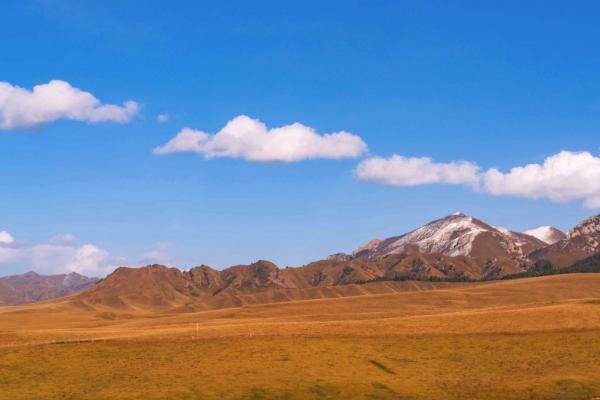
pixel 535 338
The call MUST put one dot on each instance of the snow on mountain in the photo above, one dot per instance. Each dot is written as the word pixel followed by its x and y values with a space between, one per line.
pixel 453 236
pixel 547 234
pixel 582 241
pixel 458 235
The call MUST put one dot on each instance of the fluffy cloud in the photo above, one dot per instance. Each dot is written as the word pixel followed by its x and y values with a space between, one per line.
pixel 52 258
pixel 411 171
pixel 87 259
pixel 244 137
pixel 563 177
pixel 22 108
pixel 6 238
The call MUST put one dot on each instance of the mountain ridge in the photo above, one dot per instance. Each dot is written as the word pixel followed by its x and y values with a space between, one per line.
pixel 455 248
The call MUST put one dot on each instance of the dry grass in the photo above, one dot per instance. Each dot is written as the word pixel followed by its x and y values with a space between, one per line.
pixel 527 339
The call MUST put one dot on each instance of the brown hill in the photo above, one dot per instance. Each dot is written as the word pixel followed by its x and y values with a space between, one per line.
pixel 158 287
pixel 154 286
pixel 31 287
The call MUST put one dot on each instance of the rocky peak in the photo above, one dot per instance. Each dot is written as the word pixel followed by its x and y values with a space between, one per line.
pixel 589 227
pixel 339 257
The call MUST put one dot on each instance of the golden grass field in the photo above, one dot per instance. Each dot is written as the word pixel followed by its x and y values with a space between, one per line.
pixel 535 338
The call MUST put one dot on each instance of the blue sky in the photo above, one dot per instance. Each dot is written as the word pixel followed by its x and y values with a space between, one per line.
pixel 497 85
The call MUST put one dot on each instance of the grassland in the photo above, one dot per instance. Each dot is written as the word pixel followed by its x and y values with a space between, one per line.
pixel 533 338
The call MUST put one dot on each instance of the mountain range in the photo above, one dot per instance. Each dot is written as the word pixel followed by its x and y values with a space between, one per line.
pixel 31 287
pixel 456 248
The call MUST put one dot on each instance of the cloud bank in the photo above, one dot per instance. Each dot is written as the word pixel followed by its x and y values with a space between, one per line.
pixel 54 257
pixel 250 139
pixel 22 108
pixel 566 176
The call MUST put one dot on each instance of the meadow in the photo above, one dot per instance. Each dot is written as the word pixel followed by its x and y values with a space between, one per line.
pixel 535 338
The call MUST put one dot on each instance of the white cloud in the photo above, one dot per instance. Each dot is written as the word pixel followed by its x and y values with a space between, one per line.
pixel 244 137
pixel 87 259
pixel 6 238
pixel 186 141
pixel 53 258
pixel 411 171
pixel 162 118
pixel 22 108
pixel 562 177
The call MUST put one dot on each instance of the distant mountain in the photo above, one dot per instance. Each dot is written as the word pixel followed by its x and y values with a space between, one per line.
pixel 31 287
pixel 451 249
pixel 581 242
pixel 547 234
pixel 456 235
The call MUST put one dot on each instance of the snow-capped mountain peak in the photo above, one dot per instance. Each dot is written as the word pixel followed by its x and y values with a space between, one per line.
pixel 547 234
pixel 453 235
pixel 457 235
